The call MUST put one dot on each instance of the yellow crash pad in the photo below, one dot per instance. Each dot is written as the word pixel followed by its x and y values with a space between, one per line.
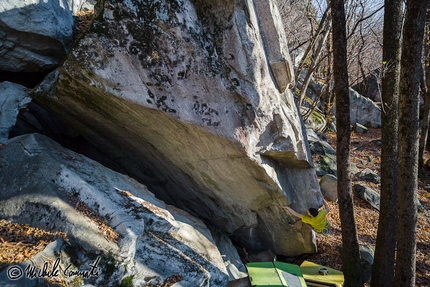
pixel 313 277
pixel 275 274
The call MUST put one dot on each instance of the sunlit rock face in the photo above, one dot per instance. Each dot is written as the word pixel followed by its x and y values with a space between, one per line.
pixel 192 99
pixel 152 239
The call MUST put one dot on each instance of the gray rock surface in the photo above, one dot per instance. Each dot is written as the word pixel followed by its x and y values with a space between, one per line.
pixel 314 118
pixel 80 5
pixel 37 179
pixel 192 100
pixel 325 162
pixel 364 111
pixel 359 128
pixel 328 185
pixel 34 35
pixel 367 254
pixel 373 197
pixel 369 176
pixel 13 98
pixel 367 194
pixel 233 263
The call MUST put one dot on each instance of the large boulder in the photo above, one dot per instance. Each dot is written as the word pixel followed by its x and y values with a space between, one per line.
pixel 191 98
pixel 52 188
pixel 35 35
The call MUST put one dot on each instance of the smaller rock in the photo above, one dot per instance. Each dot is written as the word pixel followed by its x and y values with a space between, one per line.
pixel 87 6
pixel 322 148
pixel 420 207
pixel 328 164
pixel 235 268
pixel 370 176
pixel 328 184
pixel 368 195
pixel 364 111
pixel 366 260
pixel 359 128
pixel 373 197
pixel 367 254
pixel 266 255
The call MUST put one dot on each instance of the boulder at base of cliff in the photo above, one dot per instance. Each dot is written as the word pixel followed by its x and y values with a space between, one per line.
pixel 106 214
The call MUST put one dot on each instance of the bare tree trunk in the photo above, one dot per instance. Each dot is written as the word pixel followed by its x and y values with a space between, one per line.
pixel 426 95
pixel 350 250
pixel 383 266
pixel 363 86
pixel 327 96
pixel 315 63
pixel 312 43
pixel 426 117
pixel 413 34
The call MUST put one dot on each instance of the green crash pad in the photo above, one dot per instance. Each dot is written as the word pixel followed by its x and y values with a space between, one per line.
pixel 312 276
pixel 275 274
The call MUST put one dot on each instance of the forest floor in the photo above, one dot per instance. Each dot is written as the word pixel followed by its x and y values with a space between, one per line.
pixel 365 153
pixel 21 242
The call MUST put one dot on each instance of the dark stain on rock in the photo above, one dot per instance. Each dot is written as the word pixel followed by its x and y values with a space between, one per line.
pixel 235 82
pixel 205 110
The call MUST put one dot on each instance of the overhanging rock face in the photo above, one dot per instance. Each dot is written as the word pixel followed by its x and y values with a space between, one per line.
pixel 183 96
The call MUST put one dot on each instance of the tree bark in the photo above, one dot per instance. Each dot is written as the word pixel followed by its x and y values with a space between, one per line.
pixel 413 34
pixel 350 250
pixel 425 93
pixel 426 116
pixel 383 266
